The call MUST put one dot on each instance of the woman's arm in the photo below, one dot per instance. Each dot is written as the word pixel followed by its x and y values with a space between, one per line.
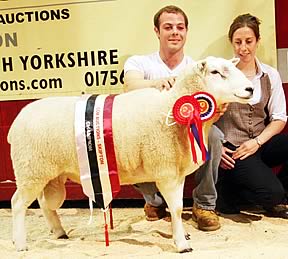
pixel 273 128
pixel 249 147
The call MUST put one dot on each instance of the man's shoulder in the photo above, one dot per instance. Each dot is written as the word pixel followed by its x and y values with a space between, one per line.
pixel 141 62
pixel 143 58
pixel 189 60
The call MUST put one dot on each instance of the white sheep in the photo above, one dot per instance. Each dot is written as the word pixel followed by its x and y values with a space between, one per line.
pixel 43 148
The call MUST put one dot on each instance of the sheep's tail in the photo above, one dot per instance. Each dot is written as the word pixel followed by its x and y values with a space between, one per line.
pixel 10 134
pixel 13 131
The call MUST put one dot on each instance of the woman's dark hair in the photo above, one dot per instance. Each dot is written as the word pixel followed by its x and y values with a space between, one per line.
pixel 245 20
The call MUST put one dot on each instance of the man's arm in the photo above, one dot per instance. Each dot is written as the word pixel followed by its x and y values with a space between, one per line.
pixel 135 80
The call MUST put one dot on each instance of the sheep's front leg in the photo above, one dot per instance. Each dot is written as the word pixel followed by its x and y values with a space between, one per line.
pixel 172 192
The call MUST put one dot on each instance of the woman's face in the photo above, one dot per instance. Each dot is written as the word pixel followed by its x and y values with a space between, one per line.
pixel 244 44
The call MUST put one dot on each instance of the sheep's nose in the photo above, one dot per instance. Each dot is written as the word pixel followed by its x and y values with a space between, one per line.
pixel 249 89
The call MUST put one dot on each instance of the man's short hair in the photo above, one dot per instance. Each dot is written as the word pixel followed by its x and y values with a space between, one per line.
pixel 169 9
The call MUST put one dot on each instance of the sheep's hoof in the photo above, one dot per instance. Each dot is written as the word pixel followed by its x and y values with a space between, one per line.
pixel 187 236
pixel 63 237
pixel 187 250
pixel 21 249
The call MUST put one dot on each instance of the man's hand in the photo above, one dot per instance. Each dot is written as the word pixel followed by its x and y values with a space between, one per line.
pixel 164 83
pixel 220 111
pixel 135 80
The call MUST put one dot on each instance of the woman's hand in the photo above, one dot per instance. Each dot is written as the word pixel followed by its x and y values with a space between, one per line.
pixel 227 162
pixel 246 149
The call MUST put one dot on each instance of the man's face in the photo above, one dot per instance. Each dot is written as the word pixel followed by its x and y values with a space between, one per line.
pixel 172 31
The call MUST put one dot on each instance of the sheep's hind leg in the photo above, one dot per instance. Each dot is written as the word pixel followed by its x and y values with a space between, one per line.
pixel 20 201
pixel 50 200
pixel 172 192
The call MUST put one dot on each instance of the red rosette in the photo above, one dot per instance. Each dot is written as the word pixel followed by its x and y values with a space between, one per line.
pixel 207 104
pixel 185 108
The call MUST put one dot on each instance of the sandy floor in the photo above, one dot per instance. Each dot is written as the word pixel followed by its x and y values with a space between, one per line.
pixel 241 236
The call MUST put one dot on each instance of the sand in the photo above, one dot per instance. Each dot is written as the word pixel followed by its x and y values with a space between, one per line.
pixel 244 235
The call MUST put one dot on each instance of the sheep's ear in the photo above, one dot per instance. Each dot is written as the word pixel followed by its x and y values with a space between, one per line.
pixel 235 61
pixel 202 66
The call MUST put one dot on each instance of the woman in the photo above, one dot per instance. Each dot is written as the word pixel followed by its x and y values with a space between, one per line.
pixel 253 143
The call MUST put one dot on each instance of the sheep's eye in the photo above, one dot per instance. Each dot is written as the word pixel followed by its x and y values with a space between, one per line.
pixel 215 72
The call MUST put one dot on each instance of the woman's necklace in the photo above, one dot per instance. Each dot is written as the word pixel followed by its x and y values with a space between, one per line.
pixel 251 74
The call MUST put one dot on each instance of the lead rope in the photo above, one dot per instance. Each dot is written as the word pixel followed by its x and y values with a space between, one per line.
pixel 106 233
pixel 111 217
pixel 106 230
pixel 91 211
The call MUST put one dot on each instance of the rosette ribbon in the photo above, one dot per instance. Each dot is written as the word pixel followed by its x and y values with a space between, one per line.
pixel 192 110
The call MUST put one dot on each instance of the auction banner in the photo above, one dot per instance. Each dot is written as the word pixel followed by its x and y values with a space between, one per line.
pixel 75 47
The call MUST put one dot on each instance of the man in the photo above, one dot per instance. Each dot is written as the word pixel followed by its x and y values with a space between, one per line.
pixel 159 70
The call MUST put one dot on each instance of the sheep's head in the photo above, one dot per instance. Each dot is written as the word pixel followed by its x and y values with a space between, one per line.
pixel 221 78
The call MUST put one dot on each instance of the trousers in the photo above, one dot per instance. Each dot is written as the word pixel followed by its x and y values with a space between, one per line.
pixel 204 194
pixel 252 181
